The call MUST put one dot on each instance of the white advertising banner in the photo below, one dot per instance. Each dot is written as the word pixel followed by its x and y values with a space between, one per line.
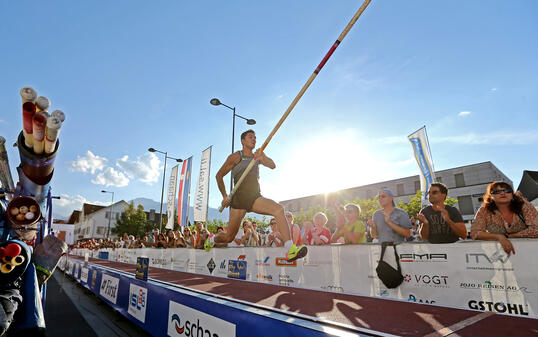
pixel 171 198
pixel 474 275
pixel 84 274
pixel 138 299
pixel 185 321
pixel 423 156
pixel 109 288
pixel 202 188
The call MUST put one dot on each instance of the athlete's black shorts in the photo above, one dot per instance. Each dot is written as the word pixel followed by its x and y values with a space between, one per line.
pixel 245 199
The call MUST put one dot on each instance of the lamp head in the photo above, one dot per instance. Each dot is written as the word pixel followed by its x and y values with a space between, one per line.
pixel 151 149
pixel 251 122
pixel 215 101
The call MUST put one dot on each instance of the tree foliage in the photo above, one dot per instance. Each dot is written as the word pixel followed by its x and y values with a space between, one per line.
pixel 132 221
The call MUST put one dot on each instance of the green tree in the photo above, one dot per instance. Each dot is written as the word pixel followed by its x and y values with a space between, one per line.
pixel 132 221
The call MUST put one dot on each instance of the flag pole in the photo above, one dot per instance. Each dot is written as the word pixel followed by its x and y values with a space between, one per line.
pixel 300 94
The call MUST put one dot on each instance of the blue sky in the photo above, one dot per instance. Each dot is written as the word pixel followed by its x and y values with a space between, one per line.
pixel 131 75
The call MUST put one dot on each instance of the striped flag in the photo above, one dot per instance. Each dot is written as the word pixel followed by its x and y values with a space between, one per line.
pixel 184 193
pixel 421 147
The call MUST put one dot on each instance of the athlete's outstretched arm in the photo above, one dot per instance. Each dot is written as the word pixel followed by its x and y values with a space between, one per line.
pixel 228 165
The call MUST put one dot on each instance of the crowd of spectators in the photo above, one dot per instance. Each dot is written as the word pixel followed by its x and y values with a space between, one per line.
pixel 504 214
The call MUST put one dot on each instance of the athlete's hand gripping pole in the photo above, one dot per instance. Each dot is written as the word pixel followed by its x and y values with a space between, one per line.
pixel 299 95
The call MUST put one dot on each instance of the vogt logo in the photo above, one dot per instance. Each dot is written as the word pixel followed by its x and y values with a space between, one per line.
pixel 437 257
pixel 184 321
pixel 500 307
pixel 263 262
pixel 138 299
pixel 109 288
pixel 437 281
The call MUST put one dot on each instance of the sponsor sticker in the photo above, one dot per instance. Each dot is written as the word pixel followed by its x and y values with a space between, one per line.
pixel 333 288
pixel 488 285
pixel 264 262
pixel 283 262
pixel 264 278
pixel 185 321
pixel 138 299
pixel 237 269
pixel 109 288
pixel 285 280
pixel 211 266
pixel 427 280
pixel 84 275
pixel 142 268
pixel 482 261
pixel 435 257
pixel 94 278
pixel 412 298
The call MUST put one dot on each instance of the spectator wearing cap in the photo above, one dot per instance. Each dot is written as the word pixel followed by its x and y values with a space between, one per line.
pixel 389 224
pixel 440 223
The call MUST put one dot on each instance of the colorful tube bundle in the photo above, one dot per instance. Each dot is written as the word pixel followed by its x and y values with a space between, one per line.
pixel 28 112
pixel 54 125
pixel 42 103
pixel 11 257
pixel 39 124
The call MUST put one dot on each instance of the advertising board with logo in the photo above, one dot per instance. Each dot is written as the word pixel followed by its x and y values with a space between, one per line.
pixel 187 322
pixel 138 299
pixel 109 288
pixel 84 274
pixel 142 268
pixel 448 274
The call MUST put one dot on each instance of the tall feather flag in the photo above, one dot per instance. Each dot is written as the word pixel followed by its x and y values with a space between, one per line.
pixel 170 198
pixel 421 148
pixel 201 195
pixel 184 193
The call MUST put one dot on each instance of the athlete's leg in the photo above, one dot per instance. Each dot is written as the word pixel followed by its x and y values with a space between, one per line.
pixel 236 216
pixel 269 207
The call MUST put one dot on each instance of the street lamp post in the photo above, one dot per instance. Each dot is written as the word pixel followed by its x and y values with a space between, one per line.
pixel 166 157
pixel 216 102
pixel 109 212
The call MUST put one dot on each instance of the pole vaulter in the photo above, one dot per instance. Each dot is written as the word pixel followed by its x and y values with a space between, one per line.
pixel 300 94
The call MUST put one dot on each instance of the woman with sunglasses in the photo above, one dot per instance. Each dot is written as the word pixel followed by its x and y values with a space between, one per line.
pixel 504 214
pixel 189 238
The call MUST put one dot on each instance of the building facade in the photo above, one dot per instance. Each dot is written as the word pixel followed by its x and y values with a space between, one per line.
pixel 93 220
pixel 467 184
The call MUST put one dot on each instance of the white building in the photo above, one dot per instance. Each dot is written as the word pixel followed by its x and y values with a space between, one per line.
pixel 467 184
pixel 93 221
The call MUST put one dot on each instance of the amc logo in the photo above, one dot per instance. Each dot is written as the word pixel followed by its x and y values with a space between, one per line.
pixel 423 258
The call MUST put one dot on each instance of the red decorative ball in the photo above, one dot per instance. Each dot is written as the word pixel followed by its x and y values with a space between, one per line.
pixel 12 250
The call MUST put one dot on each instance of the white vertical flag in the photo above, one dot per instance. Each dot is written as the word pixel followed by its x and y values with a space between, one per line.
pixel 170 198
pixel 202 189
pixel 421 147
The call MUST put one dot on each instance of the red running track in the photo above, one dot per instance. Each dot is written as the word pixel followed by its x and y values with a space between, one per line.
pixel 388 316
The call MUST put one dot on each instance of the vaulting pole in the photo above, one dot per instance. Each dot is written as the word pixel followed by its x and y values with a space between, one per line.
pixel 300 94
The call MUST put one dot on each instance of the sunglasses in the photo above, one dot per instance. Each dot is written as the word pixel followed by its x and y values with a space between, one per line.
pixel 434 192
pixel 504 190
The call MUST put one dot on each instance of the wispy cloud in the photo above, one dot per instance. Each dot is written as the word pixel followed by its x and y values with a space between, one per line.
pixel 111 177
pixel 464 113
pixel 89 163
pixel 498 137
pixel 68 203
pixel 145 168
pixel 493 89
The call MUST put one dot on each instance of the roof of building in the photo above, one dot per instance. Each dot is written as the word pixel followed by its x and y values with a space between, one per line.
pixel 89 208
pixel 74 217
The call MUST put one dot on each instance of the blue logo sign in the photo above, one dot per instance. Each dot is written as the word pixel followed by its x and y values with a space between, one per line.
pixel 237 269
pixel 142 264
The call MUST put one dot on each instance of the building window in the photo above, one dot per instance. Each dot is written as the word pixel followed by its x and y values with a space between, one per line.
pixel 417 185
pixel 400 189
pixel 465 204
pixel 117 216
pixel 440 180
pixel 460 182
pixel 100 230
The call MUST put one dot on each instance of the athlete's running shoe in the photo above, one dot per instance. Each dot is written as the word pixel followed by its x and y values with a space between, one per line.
pixel 208 245
pixel 295 252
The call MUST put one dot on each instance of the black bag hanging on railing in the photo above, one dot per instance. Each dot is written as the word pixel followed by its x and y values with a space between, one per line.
pixel 390 277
